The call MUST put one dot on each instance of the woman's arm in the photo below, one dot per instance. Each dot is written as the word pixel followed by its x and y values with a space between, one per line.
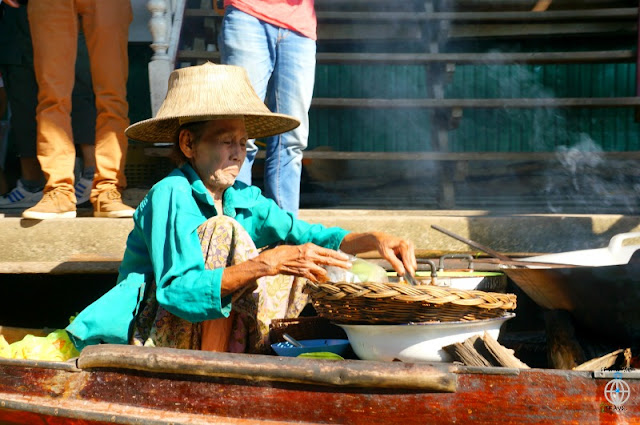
pixel 400 253
pixel 295 260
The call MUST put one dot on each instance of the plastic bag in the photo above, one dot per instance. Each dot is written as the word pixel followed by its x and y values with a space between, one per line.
pixel 360 271
pixel 54 347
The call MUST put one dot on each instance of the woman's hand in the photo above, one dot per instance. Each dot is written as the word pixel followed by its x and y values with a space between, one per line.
pixel 400 253
pixel 295 260
pixel 302 260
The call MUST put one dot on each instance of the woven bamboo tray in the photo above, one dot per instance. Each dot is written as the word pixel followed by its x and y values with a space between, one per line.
pixel 391 303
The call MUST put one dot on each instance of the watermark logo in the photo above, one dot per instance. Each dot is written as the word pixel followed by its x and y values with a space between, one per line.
pixel 617 391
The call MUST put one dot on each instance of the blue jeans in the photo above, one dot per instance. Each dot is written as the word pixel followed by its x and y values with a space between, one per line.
pixel 281 66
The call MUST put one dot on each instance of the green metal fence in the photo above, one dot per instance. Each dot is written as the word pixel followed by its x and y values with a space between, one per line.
pixel 516 130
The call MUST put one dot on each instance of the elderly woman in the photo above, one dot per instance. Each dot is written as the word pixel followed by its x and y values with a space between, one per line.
pixel 210 261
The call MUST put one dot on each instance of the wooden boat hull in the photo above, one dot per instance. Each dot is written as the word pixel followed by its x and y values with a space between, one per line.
pixel 134 385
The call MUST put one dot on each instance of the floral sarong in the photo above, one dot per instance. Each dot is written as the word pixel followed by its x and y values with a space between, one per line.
pixel 224 243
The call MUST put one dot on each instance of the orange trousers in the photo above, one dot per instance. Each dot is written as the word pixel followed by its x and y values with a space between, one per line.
pixel 54 32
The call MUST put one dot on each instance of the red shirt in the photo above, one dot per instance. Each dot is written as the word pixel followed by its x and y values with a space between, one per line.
pixel 299 17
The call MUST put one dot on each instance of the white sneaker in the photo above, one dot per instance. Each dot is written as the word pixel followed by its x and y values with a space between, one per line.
pixel 83 190
pixel 20 198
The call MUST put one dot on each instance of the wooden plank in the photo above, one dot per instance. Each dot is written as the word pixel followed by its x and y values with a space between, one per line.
pixel 438 156
pixel 484 351
pixel 480 5
pixel 528 4
pixel 527 30
pixel 601 363
pixel 602 56
pixel 466 353
pixel 627 13
pixel 367 4
pixel 490 103
pixel 201 13
pixel 30 395
pixel 348 373
pixel 504 356
pixel 410 32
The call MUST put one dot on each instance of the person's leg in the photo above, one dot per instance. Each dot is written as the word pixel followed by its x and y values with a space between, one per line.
pixel 290 93
pixel 106 28
pixel 31 172
pixel 28 189
pixel 22 93
pixel 223 242
pixel 54 33
pixel 83 122
pixel 232 246
pixel 54 29
pixel 88 159
pixel 247 42
pixel 84 183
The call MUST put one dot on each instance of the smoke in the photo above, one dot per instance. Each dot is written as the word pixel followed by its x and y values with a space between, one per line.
pixel 583 179
pixel 580 179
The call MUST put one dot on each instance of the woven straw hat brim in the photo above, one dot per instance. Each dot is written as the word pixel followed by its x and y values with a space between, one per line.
pixel 207 92
pixel 163 130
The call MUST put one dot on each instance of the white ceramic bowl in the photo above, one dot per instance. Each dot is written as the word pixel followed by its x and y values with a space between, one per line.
pixel 416 342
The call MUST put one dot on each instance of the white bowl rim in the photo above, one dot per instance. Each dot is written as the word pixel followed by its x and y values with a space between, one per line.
pixel 506 316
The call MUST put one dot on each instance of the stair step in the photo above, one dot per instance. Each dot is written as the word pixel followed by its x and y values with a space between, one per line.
pixel 96 245
pixel 602 56
pixel 488 103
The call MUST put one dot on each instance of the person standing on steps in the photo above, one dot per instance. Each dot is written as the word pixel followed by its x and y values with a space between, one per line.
pixel 275 41
pixel 16 64
pixel 54 31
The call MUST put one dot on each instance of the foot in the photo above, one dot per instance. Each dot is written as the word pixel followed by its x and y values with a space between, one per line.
pixel 109 204
pixel 55 203
pixel 83 190
pixel 20 198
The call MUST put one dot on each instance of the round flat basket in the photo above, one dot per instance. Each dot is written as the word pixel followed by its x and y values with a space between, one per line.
pixel 389 303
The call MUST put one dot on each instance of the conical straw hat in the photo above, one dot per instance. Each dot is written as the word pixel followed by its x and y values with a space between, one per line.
pixel 205 92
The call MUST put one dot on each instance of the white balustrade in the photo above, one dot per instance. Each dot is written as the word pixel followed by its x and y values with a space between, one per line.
pixel 164 25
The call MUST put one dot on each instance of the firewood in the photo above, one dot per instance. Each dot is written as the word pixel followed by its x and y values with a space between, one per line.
pixel 504 356
pixel 483 351
pixel 466 352
pixel 607 361
pixel 627 358
pixel 563 349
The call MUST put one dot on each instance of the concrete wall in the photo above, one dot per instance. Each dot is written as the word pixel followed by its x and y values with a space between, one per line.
pixel 83 244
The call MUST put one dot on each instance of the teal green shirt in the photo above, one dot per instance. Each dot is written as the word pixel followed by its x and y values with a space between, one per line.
pixel 164 246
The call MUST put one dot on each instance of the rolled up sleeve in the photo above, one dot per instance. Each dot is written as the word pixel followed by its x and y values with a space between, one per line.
pixel 184 287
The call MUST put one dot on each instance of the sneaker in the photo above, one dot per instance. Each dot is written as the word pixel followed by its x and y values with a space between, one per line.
pixel 20 197
pixel 109 204
pixel 54 204
pixel 83 190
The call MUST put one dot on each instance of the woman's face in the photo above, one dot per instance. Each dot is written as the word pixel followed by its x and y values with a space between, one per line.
pixel 219 153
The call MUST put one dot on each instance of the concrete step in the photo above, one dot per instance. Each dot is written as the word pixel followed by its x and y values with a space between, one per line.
pixel 96 245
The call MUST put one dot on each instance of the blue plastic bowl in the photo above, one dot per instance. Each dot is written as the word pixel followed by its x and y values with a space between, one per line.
pixel 337 346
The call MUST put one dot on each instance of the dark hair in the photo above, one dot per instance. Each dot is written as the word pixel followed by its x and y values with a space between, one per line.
pixel 197 129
